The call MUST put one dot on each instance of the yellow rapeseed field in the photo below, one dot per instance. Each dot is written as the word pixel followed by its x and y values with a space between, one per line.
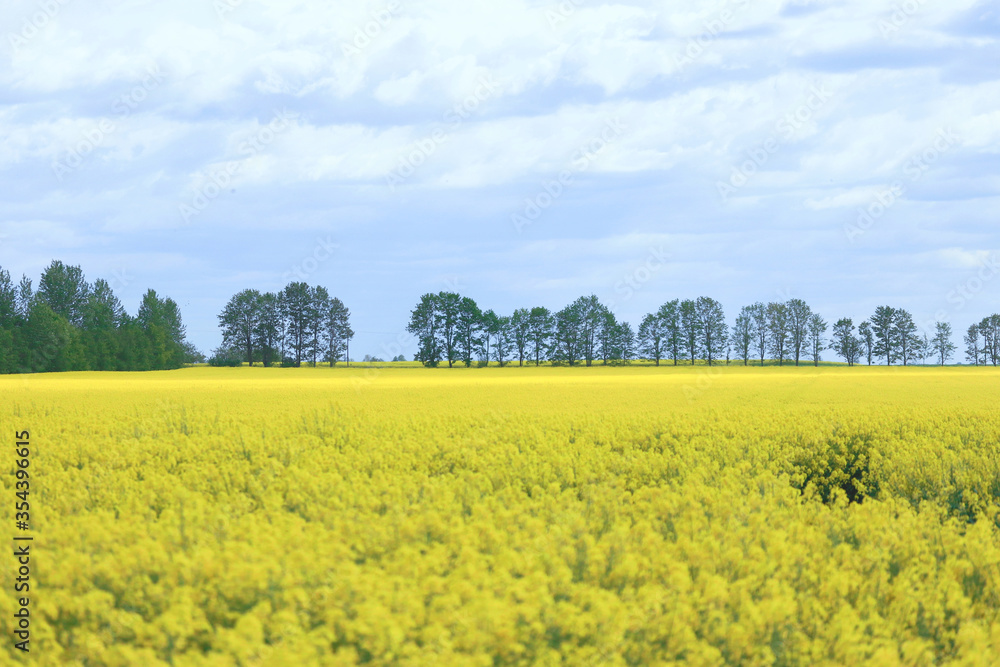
pixel 575 516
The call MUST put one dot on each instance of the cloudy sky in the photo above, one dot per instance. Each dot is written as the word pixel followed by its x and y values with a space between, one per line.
pixel 522 153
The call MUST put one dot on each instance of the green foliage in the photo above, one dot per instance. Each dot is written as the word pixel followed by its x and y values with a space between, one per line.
pixel 226 356
pixel 843 461
pixel 71 325
pixel 192 355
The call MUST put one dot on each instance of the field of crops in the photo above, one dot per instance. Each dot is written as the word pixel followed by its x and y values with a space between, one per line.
pixel 577 516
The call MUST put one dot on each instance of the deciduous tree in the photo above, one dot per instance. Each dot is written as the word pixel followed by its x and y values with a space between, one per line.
pixel 941 343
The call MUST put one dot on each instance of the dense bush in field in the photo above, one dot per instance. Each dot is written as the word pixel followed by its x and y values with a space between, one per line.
pixel 227 357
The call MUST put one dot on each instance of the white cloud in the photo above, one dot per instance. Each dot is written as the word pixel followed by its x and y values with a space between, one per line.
pixel 699 88
pixel 850 198
pixel 959 258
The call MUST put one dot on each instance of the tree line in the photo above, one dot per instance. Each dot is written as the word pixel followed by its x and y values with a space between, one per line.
pixel 982 341
pixel 69 324
pixel 891 335
pixel 299 323
pixel 453 329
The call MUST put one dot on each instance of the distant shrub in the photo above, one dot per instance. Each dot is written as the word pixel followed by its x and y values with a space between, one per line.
pixel 192 355
pixel 225 357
